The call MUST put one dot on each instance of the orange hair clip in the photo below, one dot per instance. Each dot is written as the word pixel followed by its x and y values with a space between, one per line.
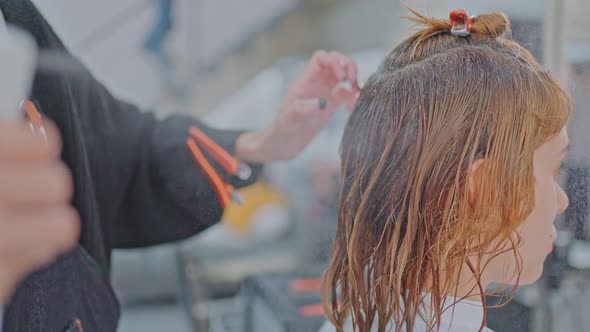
pixel 461 23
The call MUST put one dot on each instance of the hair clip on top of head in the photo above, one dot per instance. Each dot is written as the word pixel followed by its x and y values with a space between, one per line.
pixel 461 23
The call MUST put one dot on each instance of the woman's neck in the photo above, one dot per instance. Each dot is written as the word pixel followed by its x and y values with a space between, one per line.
pixel 464 286
pixel 468 287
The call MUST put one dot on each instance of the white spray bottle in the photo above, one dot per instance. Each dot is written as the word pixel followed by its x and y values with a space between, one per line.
pixel 18 56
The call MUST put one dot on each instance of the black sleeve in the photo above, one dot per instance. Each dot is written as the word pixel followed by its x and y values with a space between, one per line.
pixel 169 197
pixel 165 195
pixel 147 186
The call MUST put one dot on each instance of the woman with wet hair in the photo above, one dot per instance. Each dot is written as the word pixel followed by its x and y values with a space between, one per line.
pixel 450 166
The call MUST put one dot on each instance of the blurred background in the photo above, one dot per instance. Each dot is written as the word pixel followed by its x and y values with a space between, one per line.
pixel 230 61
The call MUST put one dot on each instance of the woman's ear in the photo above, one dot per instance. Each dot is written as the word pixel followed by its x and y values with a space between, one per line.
pixel 474 182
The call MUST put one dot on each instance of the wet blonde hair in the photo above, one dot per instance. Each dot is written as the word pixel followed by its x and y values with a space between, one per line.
pixel 406 224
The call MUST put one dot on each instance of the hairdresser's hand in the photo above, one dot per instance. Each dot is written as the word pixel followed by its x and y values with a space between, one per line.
pixel 328 81
pixel 37 222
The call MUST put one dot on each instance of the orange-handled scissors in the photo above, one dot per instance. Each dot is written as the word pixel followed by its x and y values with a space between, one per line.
pixel 229 163
pixel 225 192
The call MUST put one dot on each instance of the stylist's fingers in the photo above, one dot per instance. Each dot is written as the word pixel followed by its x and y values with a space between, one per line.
pixel 63 225
pixel 305 108
pixel 38 237
pixel 35 184
pixel 18 143
pixel 331 63
pixel 349 67
pixel 347 96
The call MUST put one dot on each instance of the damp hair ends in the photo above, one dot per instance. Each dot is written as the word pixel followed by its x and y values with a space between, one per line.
pixel 437 104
